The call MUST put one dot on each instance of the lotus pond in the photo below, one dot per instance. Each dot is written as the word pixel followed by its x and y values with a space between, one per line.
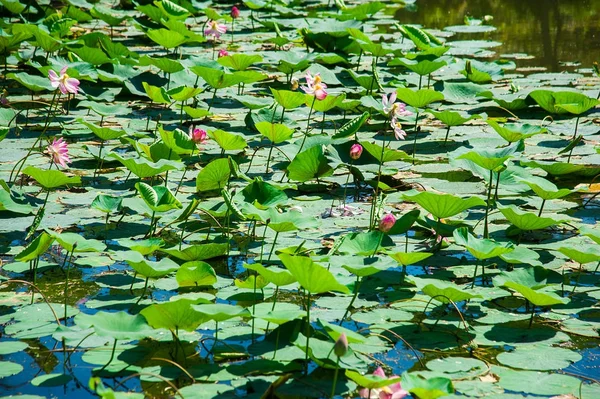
pixel 299 199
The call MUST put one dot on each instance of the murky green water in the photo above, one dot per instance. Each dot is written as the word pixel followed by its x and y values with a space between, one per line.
pixel 556 33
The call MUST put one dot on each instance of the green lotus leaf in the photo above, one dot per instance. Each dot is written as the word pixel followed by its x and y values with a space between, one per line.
pixel 536 297
pixel 409 258
pixel 311 276
pixel 484 159
pixel 335 331
pixel 285 312
pixel 352 126
pixel 389 154
pixel 442 205
pixel 220 311
pixel 555 168
pixel 544 189
pixel 148 268
pixel 279 277
pixel 158 198
pixel 431 388
pixel 9 368
pixel 421 67
pixel 527 220
pixel 50 178
pixel 107 203
pixel 197 252
pixel 107 15
pixel 362 243
pixel 184 93
pixel 177 141
pixel 228 141
pixel 175 315
pixel 309 164
pixel 419 98
pixel 116 325
pixel 520 255
pixel 214 176
pixel 164 64
pixel 276 132
pixel 157 94
pixel 144 247
pixel 288 99
pixel 513 132
pixel 263 195
pixel 451 118
pixel 195 274
pixel 563 102
pixel 581 255
pixel 166 38
pixel 32 82
pixel 370 381
pixel 594 234
pixel 142 167
pixel 448 293
pixel 77 243
pixel 251 282
pixel 363 266
pixel 481 248
pixel 239 61
pixel 539 357
pixel 35 248
pixel 8 204
pixel 103 133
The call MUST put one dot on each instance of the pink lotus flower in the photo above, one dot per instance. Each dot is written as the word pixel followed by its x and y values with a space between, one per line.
pixel 223 53
pixel 315 86
pixel 387 222
pixel 399 133
pixel 197 135
pixel 393 391
pixel 356 151
pixel 215 29
pixel 63 82
pixel 59 152
pixel 235 12
pixel 393 108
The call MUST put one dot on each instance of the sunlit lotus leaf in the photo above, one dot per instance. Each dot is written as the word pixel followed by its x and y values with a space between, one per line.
pixel 481 248
pixel 35 248
pixel 309 164
pixel 50 178
pixel 144 247
pixel 177 141
pixel 8 204
pixel 363 266
pixel 442 205
pixel 312 277
pixel 158 198
pixel 563 102
pixel 446 294
pixel 77 243
pixel 527 220
pixel 288 99
pixel 195 274
pixel 419 98
pixel 251 282
pixel 389 154
pixel 197 252
pixel 239 61
pixel 148 268
pixel 116 325
pixel 421 66
pixel 431 388
pixel 536 297
pixel 228 141
pixel 175 315
pixel 214 176
pixel 183 93
pixel 142 167
pixel 513 132
pixel 104 133
pixel 220 311
pixel 352 126
pixel 279 277
pixel 485 159
pixel 166 38
pixel 581 255
pixel 370 381
pixel 409 258
pixel 157 94
pixel 594 234
pixel 451 118
pixel 107 203
pixel 263 195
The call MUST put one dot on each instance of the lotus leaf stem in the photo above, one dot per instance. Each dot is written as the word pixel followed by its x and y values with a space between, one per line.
pixel 335 377
pixel 308 304
pixel 487 206
pixel 573 139
pixel 112 355
pixel 67 264
pixel 307 124
pixel 144 291
pixel 414 151
pixel 356 289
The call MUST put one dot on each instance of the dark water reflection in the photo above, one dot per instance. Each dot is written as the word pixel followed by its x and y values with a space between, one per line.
pixel 553 31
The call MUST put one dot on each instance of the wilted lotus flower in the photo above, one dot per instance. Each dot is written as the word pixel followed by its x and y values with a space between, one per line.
pixel 393 108
pixel 4 99
pixel 235 12
pixel 197 135
pixel 341 345
pixel 59 152
pixel 399 133
pixel 356 151
pixel 315 86
pixel 214 29
pixel 223 53
pixel 387 222
pixel 294 83
pixel 63 82
pixel 393 391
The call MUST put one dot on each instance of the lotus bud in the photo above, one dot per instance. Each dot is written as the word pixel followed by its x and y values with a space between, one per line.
pixel 223 53
pixel 387 222
pixel 235 12
pixel 197 135
pixel 356 151
pixel 341 345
